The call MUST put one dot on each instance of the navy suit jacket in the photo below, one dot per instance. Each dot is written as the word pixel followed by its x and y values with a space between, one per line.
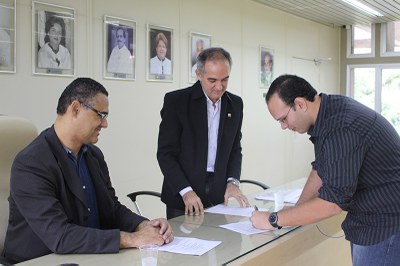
pixel 183 145
pixel 48 212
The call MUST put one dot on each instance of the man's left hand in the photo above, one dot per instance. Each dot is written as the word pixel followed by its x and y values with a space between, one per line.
pixel 235 192
pixel 165 229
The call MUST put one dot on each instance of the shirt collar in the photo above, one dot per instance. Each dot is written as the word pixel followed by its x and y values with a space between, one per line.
pixel 82 150
pixel 315 129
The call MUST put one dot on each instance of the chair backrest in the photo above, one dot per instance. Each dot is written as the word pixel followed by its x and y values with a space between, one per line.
pixel 15 134
pixel 252 186
pixel 154 212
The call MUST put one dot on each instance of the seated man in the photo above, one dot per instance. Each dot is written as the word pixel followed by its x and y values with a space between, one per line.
pixel 61 198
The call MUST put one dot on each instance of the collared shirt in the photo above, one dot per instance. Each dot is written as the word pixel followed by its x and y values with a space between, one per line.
pixel 213 117
pixel 120 61
pixel 82 170
pixel 160 67
pixel 357 156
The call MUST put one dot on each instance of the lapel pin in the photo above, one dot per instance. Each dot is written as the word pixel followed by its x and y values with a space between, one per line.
pixel 229 115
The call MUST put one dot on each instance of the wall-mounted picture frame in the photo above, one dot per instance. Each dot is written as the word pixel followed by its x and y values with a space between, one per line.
pixel 53 40
pixel 119 48
pixel 266 63
pixel 159 53
pixel 197 43
pixel 7 36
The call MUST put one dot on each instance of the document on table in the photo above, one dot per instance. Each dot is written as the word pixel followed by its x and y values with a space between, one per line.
pixel 245 227
pixel 289 195
pixel 233 210
pixel 189 246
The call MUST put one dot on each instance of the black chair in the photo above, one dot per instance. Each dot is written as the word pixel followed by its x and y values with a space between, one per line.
pixel 134 195
pixel 254 182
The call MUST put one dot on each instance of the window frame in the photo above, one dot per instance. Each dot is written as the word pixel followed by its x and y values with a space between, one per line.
pixel 383 52
pixel 350 35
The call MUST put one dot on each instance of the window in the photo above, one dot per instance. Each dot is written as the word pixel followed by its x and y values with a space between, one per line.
pixel 378 87
pixel 360 41
pixel 390 39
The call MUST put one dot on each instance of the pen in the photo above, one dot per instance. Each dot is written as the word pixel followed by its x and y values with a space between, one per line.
pixel 255 208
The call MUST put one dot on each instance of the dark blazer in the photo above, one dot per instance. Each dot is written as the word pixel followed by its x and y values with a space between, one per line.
pixel 183 145
pixel 47 204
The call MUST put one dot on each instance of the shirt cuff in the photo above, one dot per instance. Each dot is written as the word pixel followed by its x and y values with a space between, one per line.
pixel 185 190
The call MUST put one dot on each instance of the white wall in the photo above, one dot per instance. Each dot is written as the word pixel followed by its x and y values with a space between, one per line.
pixel 130 142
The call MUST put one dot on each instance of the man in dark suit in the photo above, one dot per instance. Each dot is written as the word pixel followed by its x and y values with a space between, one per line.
pixel 61 197
pixel 199 150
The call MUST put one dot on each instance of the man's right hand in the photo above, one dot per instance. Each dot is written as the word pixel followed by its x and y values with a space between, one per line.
pixel 193 204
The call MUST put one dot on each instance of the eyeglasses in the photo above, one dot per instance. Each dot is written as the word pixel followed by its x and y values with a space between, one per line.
pixel 283 120
pixel 102 115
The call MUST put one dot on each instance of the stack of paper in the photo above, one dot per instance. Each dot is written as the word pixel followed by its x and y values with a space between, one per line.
pixel 289 195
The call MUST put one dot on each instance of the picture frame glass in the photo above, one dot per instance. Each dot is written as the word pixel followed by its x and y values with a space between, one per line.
pixel 159 54
pixel 198 42
pixel 53 39
pixel 266 67
pixel 120 48
pixel 7 36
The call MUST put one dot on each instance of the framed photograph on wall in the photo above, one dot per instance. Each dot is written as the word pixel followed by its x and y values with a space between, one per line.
pixel 7 36
pixel 120 48
pixel 53 40
pixel 266 64
pixel 159 53
pixel 197 43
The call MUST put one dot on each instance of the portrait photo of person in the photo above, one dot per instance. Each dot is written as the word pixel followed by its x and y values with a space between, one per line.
pixel 120 35
pixel 198 42
pixel 160 54
pixel 266 67
pixel 54 53
pixel 53 39
pixel 7 36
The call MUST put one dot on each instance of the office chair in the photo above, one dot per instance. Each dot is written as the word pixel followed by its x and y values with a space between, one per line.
pixel 255 182
pixel 15 134
pixel 134 195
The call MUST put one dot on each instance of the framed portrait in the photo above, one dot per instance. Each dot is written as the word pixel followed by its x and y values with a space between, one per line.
pixel 197 43
pixel 7 36
pixel 119 48
pixel 159 53
pixel 53 40
pixel 266 64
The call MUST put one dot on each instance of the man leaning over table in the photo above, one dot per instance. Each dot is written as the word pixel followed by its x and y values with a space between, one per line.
pixel 61 198
pixel 356 169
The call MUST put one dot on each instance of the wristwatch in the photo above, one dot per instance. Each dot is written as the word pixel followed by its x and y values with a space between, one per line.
pixel 234 181
pixel 273 220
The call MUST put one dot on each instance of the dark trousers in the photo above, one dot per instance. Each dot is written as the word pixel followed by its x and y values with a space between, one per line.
pixel 172 212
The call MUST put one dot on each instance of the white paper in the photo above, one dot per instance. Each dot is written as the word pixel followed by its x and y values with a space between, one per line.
pixel 189 246
pixel 233 210
pixel 245 227
pixel 289 195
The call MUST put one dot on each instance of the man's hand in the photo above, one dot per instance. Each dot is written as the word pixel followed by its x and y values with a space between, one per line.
pixel 165 229
pixel 233 191
pixel 193 204
pixel 156 231
pixel 260 220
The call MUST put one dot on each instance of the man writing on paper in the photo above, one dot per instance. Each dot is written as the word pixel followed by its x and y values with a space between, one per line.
pixel 356 169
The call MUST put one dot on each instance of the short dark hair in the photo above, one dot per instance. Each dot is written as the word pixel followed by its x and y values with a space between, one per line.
pixel 289 87
pixel 50 23
pixel 81 89
pixel 210 54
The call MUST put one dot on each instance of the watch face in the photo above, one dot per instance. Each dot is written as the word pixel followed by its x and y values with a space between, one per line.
pixel 272 218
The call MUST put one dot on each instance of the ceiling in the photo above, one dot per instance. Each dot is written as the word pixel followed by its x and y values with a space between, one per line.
pixel 336 13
